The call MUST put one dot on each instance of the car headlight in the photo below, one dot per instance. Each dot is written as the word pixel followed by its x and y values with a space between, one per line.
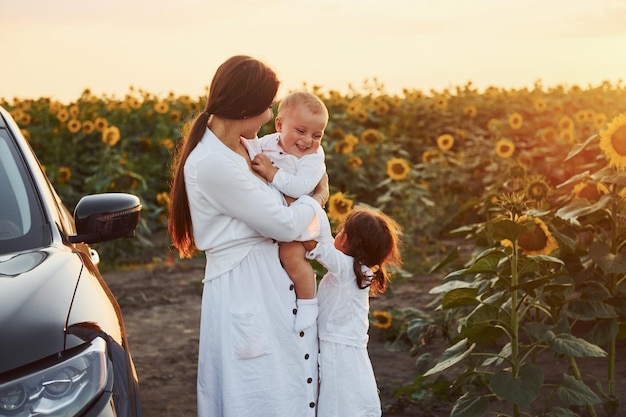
pixel 63 389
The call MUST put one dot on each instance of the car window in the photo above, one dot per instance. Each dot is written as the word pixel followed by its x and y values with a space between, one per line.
pixel 20 219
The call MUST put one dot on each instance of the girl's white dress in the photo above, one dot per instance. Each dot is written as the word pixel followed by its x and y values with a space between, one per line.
pixel 347 383
pixel 251 361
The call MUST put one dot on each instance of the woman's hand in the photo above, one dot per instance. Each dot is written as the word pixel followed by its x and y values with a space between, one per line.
pixel 321 193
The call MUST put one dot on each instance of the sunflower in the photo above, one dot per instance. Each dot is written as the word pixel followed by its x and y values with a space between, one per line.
pixel 613 141
pixel 353 107
pixel 87 126
pixel 176 116
pixel 26 119
pixel 339 206
pixel 336 133
pixel 537 240
pixel 537 189
pixel 73 125
pixel 354 162
pixel 362 115
pixel 381 109
pixel 470 111
pixel 101 123
pixel 398 169
pixel 445 142
pixel 566 122
pixel 17 114
pixel 133 102
pixel 166 143
pixel 163 199
pixel 539 104
pixel 370 136
pixel 567 135
pixel 382 319
pixel 505 148
pixel 344 147
pixel 515 120
pixel 590 190
pixel 492 124
pixel 161 107
pixel 581 116
pixel 111 135
pixel 430 155
pixel 548 135
pixel 63 175
pixel 599 120
pixel 441 103
pixel 63 115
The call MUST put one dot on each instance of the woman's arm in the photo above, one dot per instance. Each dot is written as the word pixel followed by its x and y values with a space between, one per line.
pixel 236 192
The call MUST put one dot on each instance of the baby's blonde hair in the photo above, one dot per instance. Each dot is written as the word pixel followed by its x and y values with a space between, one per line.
pixel 301 98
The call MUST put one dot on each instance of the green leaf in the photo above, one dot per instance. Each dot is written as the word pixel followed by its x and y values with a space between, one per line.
pixel 506 229
pixel 609 263
pixel 581 207
pixel 560 412
pixel 459 297
pixel 450 257
pixel 486 262
pixel 522 390
pixel 575 392
pixel 579 147
pixel 603 331
pixel 567 344
pixel 449 286
pixel 451 356
pixel 575 179
pixel 505 352
pixel 590 310
pixel 470 406
pixel 537 330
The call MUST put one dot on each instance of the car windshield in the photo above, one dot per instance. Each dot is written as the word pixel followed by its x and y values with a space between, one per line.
pixel 21 221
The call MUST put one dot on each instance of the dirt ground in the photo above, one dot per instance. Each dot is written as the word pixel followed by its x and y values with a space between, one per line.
pixel 161 307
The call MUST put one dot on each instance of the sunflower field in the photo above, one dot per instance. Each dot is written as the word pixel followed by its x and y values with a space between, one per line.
pixel 515 196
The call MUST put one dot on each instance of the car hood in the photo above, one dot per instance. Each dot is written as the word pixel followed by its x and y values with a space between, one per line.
pixel 36 290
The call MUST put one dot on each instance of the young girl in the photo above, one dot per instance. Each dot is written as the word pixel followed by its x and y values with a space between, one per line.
pixel 357 261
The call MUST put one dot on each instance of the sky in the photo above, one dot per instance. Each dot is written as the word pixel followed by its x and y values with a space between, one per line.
pixel 59 48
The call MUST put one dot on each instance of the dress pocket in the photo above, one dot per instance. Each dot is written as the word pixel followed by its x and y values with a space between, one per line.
pixel 250 339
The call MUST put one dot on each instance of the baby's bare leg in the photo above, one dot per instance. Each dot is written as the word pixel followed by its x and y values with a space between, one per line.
pixel 292 256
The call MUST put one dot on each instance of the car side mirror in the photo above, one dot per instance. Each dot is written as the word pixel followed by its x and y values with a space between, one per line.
pixel 106 216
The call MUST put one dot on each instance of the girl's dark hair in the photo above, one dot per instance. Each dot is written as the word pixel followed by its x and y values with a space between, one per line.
pixel 242 87
pixel 373 240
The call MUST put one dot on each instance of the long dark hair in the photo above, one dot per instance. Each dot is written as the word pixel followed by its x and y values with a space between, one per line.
pixel 373 240
pixel 242 87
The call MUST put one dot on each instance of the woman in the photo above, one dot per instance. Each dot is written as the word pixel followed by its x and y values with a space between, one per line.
pixel 251 361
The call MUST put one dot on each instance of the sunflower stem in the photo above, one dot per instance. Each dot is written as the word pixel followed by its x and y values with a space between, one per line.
pixel 514 320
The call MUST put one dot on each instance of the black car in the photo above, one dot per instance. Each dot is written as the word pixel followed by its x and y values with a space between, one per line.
pixel 63 347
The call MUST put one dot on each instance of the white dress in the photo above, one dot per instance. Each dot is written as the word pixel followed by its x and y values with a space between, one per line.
pixel 251 361
pixel 347 382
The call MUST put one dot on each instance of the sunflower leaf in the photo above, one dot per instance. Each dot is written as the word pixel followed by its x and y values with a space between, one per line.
pixel 580 147
pixel 452 356
pixel 470 406
pixel 575 392
pixel 569 345
pixel 521 390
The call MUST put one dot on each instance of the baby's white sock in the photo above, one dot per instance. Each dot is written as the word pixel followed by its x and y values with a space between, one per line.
pixel 307 313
